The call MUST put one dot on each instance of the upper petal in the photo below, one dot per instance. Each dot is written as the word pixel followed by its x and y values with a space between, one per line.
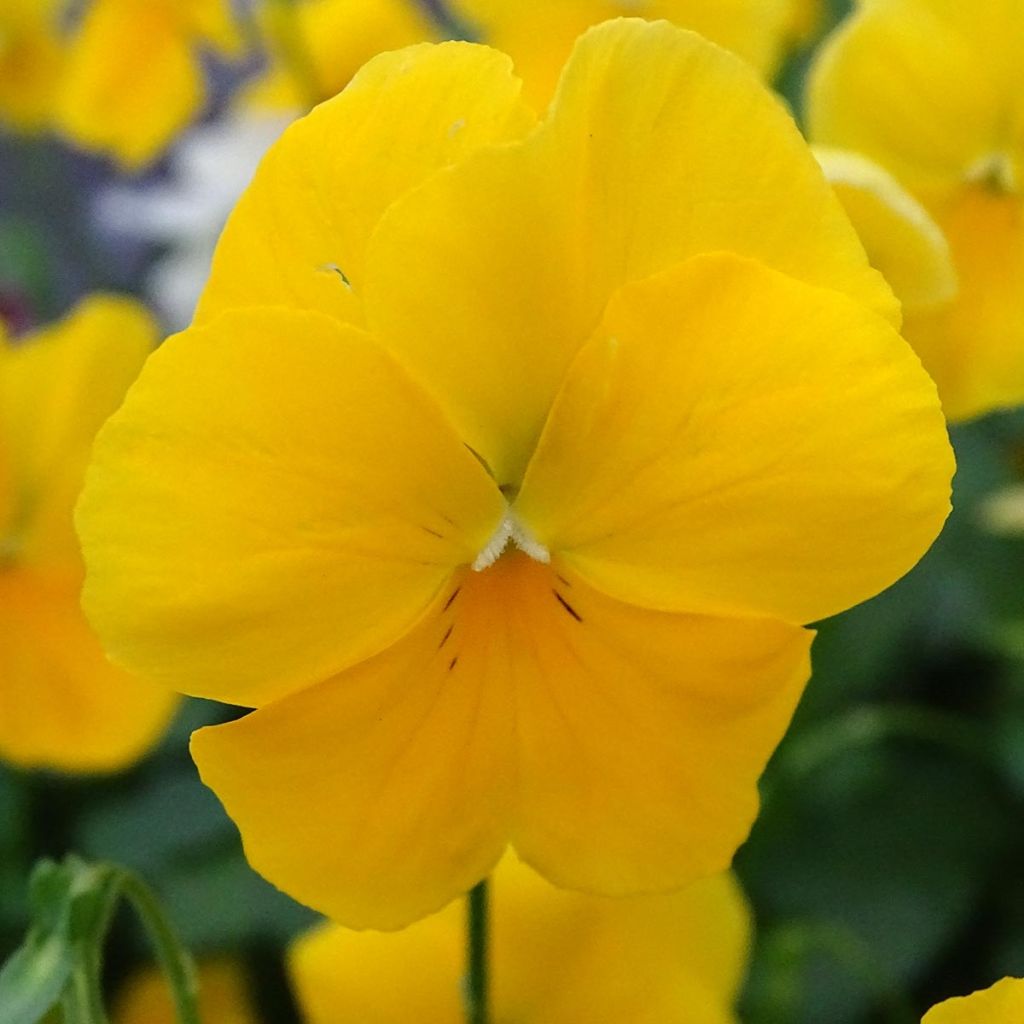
pixel 735 441
pixel 275 500
pixel 1003 1003
pixel 658 146
pixel 297 236
pixel 539 34
pixel 927 88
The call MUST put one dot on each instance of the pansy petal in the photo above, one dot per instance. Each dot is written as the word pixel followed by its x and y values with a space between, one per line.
pixel 1003 1003
pixel 734 441
pixel 297 237
pixel 899 235
pixel 972 346
pixel 131 82
pixel 927 88
pixel 272 468
pixel 679 955
pixel 62 704
pixel 658 146
pixel 641 735
pixel 57 387
pixel 380 795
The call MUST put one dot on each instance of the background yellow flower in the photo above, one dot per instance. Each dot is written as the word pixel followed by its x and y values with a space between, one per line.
pixel 934 92
pixel 557 958
pixel 62 705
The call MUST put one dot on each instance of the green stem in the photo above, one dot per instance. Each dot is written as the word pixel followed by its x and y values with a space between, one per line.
pixel 175 961
pixel 477 981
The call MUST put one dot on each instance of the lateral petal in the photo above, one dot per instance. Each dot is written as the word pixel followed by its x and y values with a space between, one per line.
pixel 274 501
pixel 733 441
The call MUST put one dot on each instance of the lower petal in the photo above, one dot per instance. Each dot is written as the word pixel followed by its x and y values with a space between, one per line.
pixel 641 734
pixel 382 794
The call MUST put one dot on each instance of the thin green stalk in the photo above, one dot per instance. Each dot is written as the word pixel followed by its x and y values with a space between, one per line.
pixel 477 942
pixel 175 961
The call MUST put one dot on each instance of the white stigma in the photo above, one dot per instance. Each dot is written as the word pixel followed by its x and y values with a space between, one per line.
pixel 510 529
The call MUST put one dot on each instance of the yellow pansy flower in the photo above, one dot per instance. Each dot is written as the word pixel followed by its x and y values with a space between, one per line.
pixel 900 237
pixel 933 90
pixel 501 468
pixel 62 705
pixel 31 59
pixel 539 34
pixel 1003 1003
pixel 335 38
pixel 223 997
pixel 134 77
pixel 557 957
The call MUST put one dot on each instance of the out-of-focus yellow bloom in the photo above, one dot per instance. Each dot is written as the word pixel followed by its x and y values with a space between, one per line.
pixel 639 346
pixel 538 34
pixel 901 239
pixel 31 59
pixel 933 90
pixel 134 78
pixel 223 997
pixel 805 20
pixel 316 46
pixel 62 705
pixel 1003 1003
pixel 557 957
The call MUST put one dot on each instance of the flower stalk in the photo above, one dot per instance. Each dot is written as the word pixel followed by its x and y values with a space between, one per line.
pixel 477 943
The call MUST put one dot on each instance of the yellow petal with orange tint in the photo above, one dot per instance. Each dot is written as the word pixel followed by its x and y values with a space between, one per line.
pixel 1003 1003
pixel 733 441
pixel 973 346
pixel 514 710
pixel 487 279
pixel 224 996
pixel 274 501
pixel 297 237
pixel 63 706
pixel 379 795
pixel 641 735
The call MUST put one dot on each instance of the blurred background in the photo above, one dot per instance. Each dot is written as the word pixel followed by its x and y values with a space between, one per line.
pixel 884 872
